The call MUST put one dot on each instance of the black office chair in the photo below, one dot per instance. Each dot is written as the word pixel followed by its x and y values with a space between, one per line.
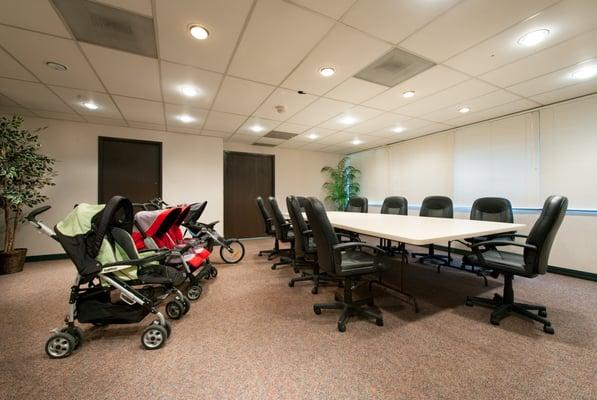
pixel 305 251
pixel 494 209
pixel 348 261
pixel 284 233
pixel 437 207
pixel 269 229
pixel 531 263
pixel 396 205
pixel 357 204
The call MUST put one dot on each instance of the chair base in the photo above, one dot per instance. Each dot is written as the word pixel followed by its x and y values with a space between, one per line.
pixel 350 307
pixel 432 258
pixel 504 306
pixel 316 278
pixel 283 261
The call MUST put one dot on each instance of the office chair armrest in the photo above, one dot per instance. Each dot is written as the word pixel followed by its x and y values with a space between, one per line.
pixel 502 235
pixel 349 245
pixel 502 243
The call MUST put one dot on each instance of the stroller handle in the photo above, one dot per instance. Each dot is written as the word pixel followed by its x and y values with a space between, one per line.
pixel 31 217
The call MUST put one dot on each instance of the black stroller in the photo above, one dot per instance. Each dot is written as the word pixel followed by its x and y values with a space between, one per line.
pixel 97 239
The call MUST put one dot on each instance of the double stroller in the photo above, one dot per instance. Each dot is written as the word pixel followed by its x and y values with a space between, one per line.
pixel 115 284
pixel 161 229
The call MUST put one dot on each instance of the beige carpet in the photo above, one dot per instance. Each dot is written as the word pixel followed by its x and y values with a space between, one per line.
pixel 250 336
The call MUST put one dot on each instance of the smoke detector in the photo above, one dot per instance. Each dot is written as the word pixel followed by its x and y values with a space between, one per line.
pixel 280 109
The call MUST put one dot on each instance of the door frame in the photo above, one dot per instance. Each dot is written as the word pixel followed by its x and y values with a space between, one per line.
pixel 270 156
pixel 100 158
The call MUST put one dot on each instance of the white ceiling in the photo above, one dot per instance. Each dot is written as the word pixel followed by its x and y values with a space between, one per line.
pixel 260 53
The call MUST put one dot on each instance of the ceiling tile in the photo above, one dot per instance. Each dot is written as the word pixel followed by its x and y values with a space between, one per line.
pixel 355 90
pixel 147 125
pixel 378 17
pixel 426 83
pixel 176 76
pixel 9 110
pixel 560 56
pixel 564 21
pixel 345 49
pixel 480 103
pixel 223 135
pixel 5 101
pixel 75 98
pixel 290 99
pixel 331 8
pixel 548 82
pixel 401 128
pixel 140 110
pixel 59 115
pixel 174 111
pixel 290 144
pixel 275 142
pixel 278 37
pixel 240 138
pixel 351 117
pixel 292 128
pixel 504 109
pixel 319 111
pixel 568 92
pixel 376 124
pixel 240 96
pixel 124 73
pixel 105 121
pixel 33 50
pixel 466 90
pixel 224 122
pixel 142 7
pixel 224 19
pixel 257 126
pixel 9 68
pixel 32 95
pixel 468 23
pixel 32 14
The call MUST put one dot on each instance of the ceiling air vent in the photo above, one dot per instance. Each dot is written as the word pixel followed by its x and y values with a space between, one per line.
pixel 107 26
pixel 394 67
pixel 264 144
pixel 280 135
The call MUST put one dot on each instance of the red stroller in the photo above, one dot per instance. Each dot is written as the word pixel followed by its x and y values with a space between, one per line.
pixel 161 229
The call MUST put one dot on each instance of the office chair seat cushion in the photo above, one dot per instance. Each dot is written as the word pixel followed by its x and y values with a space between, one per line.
pixel 356 262
pixel 499 260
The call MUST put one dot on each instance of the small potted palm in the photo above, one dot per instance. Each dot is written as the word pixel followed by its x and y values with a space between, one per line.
pixel 342 183
pixel 24 173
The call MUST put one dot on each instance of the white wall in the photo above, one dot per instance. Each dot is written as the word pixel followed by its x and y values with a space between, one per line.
pixel 297 172
pixel 525 158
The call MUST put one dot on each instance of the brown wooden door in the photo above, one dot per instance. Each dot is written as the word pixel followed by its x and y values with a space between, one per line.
pixel 246 176
pixel 130 168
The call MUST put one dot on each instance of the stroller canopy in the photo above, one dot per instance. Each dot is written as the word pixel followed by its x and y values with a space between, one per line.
pixel 194 213
pixel 83 232
pixel 156 223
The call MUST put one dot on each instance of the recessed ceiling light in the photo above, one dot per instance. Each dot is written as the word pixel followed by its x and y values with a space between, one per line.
pixel 189 90
pixel 186 118
pixel 585 72
pixel 356 142
pixel 348 120
pixel 313 136
pixel 408 94
pixel 533 38
pixel 199 32
pixel 56 66
pixel 327 71
pixel 90 105
pixel 398 129
pixel 257 128
pixel 464 110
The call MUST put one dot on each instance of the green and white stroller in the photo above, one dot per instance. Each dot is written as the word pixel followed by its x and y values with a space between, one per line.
pixel 114 284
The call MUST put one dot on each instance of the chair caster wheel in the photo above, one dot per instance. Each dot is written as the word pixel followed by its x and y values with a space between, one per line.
pixel 315 290
pixel 341 327
pixel 291 283
pixel 543 313
pixel 316 310
pixel 379 322
pixel 548 329
pixel 494 321
pixel 468 303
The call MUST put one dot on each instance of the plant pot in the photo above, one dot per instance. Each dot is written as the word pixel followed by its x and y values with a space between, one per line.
pixel 12 262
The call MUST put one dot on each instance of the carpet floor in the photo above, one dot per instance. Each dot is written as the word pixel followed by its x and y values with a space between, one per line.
pixel 250 336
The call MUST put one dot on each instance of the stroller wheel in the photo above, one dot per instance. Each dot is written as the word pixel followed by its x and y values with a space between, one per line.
pixel 175 309
pixel 166 325
pixel 186 304
pixel 75 332
pixel 60 345
pixel 154 336
pixel 213 272
pixel 233 253
pixel 194 292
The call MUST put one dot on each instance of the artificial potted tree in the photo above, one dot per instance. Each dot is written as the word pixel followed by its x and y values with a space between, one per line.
pixel 342 183
pixel 24 173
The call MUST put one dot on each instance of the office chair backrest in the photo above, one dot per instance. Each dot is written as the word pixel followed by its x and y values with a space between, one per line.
pixel 437 206
pixel 278 219
pixel 395 205
pixel 298 224
pixel 357 204
pixel 543 234
pixel 495 209
pixel 265 217
pixel 302 202
pixel 323 233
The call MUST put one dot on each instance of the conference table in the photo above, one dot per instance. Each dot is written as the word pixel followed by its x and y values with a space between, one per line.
pixel 414 230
